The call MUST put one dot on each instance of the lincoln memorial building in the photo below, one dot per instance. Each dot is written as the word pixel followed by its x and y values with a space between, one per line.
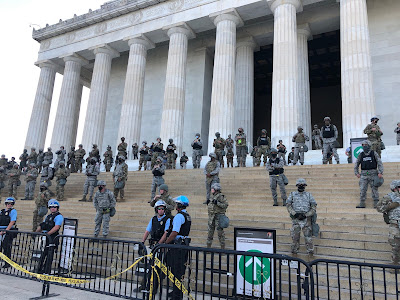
pixel 174 68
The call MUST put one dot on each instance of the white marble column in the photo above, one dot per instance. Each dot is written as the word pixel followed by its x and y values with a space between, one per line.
pixel 37 129
pixel 285 98
pixel 223 86
pixel 132 103
pixel 76 116
pixel 303 35
pixel 97 105
pixel 244 87
pixel 358 102
pixel 175 85
pixel 63 131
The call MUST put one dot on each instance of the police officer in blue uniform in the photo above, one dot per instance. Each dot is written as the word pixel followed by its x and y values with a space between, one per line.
pixel 51 225
pixel 179 235
pixel 8 218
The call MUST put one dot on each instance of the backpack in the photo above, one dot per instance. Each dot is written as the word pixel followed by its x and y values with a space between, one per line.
pixel 382 207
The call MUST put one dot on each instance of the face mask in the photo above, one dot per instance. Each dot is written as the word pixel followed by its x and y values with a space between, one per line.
pixel 274 155
pixel 197 136
pixel 61 166
pixel 42 189
pixel 93 162
pixel 366 148
pixel 301 188
pixel 100 188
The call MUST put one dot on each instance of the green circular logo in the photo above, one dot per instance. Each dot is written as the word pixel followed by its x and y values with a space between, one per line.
pixel 255 270
pixel 357 151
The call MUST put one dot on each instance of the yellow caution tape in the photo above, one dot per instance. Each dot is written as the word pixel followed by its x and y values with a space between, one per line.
pixel 63 279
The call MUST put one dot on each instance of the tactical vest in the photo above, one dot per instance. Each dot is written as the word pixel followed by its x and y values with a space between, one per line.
pixel 275 171
pixel 157 228
pixel 328 132
pixel 263 141
pixel 197 146
pixel 157 148
pixel 144 151
pixel 368 162
pixel 49 223
pixel 299 138
pixel 185 227
pixel 5 218
pixel 170 148
pixel 157 173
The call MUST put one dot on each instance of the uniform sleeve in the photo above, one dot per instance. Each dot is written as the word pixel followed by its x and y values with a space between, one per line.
pixel 289 205
pixel 95 201
pixel 281 163
pixel 179 219
pixel 367 129
pixel 306 137
pixel 216 170
pixel 258 141
pixel 167 224
pixel 59 220
pixel 336 131
pixel 269 166
pixel 170 204
pixel 150 225
pixel 13 215
pixel 313 206
pixel 357 164
pixel 112 199
pixel 222 202
pixel 294 138
pixel 379 162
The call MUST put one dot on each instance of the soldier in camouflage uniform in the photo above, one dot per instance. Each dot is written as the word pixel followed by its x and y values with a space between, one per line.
pixel 144 154
pixel 316 137
pixel 41 200
pixel 211 171
pixel 301 207
pixel 374 133
pixel 122 147
pixel 241 148
pixel 71 164
pixel 158 172
pixel 275 169
pixel 229 157
pixel 39 161
pixel 219 148
pixel 197 146
pixel 60 156
pixel 61 176
pixel 120 176
pixel 13 181
pixel 47 174
pixel 183 160
pixel 3 161
pixel 91 179
pixel 299 138
pixel 108 159
pixel 23 159
pixel 397 132
pixel 264 146
pixel 79 155
pixel 281 151
pixel 157 152
pixel 254 154
pixel 48 156
pixel 166 197
pixel 32 158
pixel 329 135
pixel 371 166
pixel 2 179
pixel 93 154
pixel 135 151
pixel 103 201
pixel 216 207
pixel 171 154
pixel 390 207
pixel 30 178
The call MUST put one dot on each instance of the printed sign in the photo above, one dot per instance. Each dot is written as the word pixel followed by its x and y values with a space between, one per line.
pixel 356 148
pixel 70 228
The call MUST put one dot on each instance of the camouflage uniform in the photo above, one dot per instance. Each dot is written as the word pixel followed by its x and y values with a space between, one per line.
pixel 47 173
pixel 216 207
pixel 108 159
pixel 275 169
pixel 397 131
pixel 367 176
pixel 374 136
pixel 171 156
pixel 71 163
pixel 31 176
pixel 23 159
pixel 197 146
pixel 211 171
pixel 135 151
pixel 183 161
pixel 219 146
pixel 144 154
pixel 290 157
pixel 229 157
pixel 3 162
pixel 91 180
pixel 32 158
pixel 158 172
pixel 328 142
pixel 394 231
pixel 40 159
pixel 299 138
pixel 281 152
pixel 264 146
pixel 120 174
pixel 79 155
pixel 2 179
pixel 170 203
pixel 254 155
pixel 93 154
pixel 157 151
pixel 122 147
pixel 301 203
pixel 102 203
pixel 48 156
pixel 41 200
pixel 13 180
pixel 241 149
pixel 61 177
pixel 60 157
pixel 316 137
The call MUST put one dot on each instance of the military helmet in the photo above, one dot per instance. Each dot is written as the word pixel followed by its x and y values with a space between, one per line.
pixel 299 127
pixel 16 166
pixel 40 150
pixel 159 158
pixel 264 130
pixel 43 184
pixel 53 202
pixel 315 126
pixel 121 157
pixel 108 147
pixel 394 184
pixel 216 186
pixel 163 187
pixel 159 139
pixel 26 150
pixel 49 149
pixel 366 142
pixel 327 119
pixel 212 155
pixel 217 134
pixel 10 200
pixel 45 163
pixel 80 145
pixel 144 142
pixel 198 134
pixel 240 129
pixel 62 162
pixel 374 118
pixel 171 140
pixel 123 139
pixel 300 181
pixel 273 150
pixel 3 156
pixel 94 145
pixel 160 203
pixel 182 200
pixel 101 182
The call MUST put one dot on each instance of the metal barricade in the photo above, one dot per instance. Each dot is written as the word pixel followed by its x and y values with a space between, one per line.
pixel 338 279
pixel 206 273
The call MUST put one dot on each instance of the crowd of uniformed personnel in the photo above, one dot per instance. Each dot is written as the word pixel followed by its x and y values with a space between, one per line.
pixel 300 204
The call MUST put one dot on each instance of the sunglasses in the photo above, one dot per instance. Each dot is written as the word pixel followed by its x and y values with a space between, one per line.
pixel 9 203
pixel 53 206
pixel 161 208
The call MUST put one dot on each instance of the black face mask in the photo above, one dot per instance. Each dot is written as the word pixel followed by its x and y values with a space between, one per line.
pixel 301 188
pixel 61 166
pixel 274 155
pixel 366 148
pixel 93 162
pixel 100 188
pixel 42 189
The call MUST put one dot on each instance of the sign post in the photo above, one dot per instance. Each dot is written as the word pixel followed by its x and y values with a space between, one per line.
pixel 70 228
pixel 356 148
pixel 255 276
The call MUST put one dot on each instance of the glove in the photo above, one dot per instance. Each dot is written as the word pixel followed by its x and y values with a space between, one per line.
pixel 141 250
pixel 106 210
pixel 301 217
pixel 215 201
pixel 296 216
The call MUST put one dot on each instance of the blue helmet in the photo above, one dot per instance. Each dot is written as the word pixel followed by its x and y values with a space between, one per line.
pixel 10 199
pixel 53 202
pixel 183 200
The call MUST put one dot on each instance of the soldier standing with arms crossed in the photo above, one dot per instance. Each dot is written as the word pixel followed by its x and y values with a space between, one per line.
pixel 264 146
pixel 91 180
pixel 103 202
pixel 329 135
pixel 144 154
pixel 374 133
pixel 197 146
pixel 120 176
pixel 219 146
pixel 171 154
pixel 241 148
pixel 275 169
pixel 299 138
pixel 79 155
pixel 211 171
pixel 158 172
pixel 31 176
pixel 108 159
pixel 61 176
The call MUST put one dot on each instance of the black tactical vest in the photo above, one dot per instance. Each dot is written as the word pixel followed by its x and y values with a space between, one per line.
pixel 368 162
pixel 49 223
pixel 157 228
pixel 185 228
pixel 197 146
pixel 275 171
pixel 5 218
pixel 170 148
pixel 328 132
pixel 263 141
